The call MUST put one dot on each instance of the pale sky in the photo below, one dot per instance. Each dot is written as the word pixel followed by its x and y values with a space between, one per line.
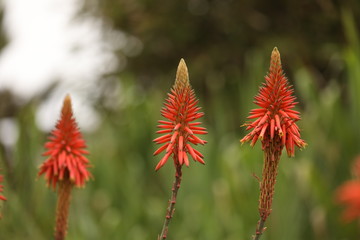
pixel 47 43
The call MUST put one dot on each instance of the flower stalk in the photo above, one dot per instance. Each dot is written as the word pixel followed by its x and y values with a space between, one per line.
pixel 259 229
pixel 66 165
pixel 275 126
pixel 172 202
pixel 180 109
pixel 62 208
pixel 267 185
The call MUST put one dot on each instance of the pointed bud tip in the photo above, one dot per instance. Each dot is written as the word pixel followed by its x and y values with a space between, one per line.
pixel 67 105
pixel 182 75
pixel 275 54
pixel 275 62
pixel 182 61
pixel 67 98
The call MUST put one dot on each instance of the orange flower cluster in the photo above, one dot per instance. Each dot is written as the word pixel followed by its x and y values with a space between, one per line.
pixel 275 119
pixel 180 110
pixel 1 189
pixel 348 194
pixel 66 151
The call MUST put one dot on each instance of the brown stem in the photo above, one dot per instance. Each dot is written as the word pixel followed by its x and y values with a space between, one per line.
pixel 62 209
pixel 172 202
pixel 259 229
pixel 267 185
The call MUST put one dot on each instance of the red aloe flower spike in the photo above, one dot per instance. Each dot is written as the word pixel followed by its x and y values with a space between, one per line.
pixel 66 151
pixel 275 117
pixel 180 109
pixel 348 194
pixel 2 189
pixel 275 125
pixel 66 165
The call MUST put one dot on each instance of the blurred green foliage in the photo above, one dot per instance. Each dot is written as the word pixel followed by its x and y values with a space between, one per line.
pixel 227 46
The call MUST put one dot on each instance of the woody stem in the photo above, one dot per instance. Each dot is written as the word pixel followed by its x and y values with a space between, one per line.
pixel 172 202
pixel 62 209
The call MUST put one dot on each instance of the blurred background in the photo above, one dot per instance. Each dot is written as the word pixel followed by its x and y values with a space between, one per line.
pixel 118 58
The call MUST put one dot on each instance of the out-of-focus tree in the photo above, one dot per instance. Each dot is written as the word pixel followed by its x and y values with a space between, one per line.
pixel 217 34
